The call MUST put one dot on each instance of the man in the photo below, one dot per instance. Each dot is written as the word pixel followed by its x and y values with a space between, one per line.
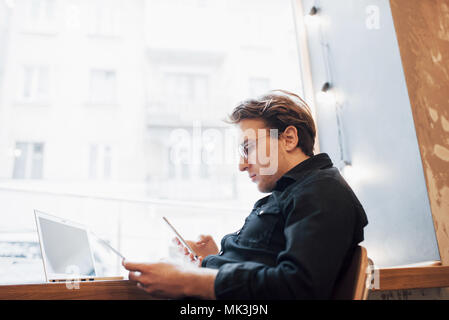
pixel 296 241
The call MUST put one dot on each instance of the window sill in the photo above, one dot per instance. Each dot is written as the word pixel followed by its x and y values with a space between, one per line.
pixel 433 275
pixel 104 36
pixel 37 32
pixel 92 104
pixel 32 104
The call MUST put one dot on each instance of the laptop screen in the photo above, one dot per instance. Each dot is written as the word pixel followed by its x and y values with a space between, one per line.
pixel 67 250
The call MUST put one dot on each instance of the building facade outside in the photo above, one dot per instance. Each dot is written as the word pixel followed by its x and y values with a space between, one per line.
pixel 107 104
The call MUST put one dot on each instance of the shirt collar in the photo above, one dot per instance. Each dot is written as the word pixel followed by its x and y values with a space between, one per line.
pixel 316 162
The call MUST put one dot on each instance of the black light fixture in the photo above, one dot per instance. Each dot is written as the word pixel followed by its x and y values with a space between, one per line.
pixel 326 87
pixel 313 17
pixel 325 96
pixel 313 11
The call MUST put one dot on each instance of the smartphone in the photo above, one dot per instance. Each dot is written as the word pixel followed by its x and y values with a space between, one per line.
pixel 181 238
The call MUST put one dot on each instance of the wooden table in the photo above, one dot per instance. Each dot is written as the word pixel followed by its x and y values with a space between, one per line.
pixel 433 275
pixel 96 290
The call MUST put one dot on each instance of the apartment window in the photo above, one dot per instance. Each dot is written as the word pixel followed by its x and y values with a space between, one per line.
pixel 40 15
pixel 178 166
pixel 105 16
pixel 107 160
pixel 185 171
pixel 258 86
pixel 28 160
pixel 205 166
pixel 100 162
pixel 103 85
pixel 35 84
pixel 187 88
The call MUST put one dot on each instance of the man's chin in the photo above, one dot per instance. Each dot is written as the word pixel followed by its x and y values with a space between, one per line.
pixel 264 188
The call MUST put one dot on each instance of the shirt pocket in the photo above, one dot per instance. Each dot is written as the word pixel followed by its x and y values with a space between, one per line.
pixel 259 226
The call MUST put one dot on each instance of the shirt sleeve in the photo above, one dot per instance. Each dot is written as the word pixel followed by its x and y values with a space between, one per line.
pixel 319 228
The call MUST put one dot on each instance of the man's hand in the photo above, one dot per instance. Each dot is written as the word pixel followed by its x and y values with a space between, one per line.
pixel 167 280
pixel 203 247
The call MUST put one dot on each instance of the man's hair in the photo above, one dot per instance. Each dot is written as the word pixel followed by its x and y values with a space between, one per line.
pixel 278 111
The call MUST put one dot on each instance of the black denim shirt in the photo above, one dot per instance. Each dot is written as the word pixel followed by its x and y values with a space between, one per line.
pixel 296 240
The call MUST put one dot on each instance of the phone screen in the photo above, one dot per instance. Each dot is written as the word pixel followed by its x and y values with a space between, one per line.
pixel 180 237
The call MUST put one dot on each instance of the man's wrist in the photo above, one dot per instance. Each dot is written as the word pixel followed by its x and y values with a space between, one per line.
pixel 200 283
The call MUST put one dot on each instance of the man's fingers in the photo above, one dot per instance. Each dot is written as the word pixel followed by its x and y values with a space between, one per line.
pixel 176 241
pixel 144 287
pixel 132 266
pixel 204 238
pixel 134 276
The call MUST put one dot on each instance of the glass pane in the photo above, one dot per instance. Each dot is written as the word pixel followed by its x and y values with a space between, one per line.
pixel 42 83
pixel 93 158
pixel 37 161
pixel 107 162
pixel 20 160
pixel 127 87
pixel 28 79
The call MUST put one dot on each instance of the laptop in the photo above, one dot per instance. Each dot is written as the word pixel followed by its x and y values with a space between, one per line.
pixel 66 250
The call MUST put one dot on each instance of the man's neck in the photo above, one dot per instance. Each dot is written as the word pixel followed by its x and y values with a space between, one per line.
pixel 294 161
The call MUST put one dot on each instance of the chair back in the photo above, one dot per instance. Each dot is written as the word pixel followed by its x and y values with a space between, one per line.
pixel 352 284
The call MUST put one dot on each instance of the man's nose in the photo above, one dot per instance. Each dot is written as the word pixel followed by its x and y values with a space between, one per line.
pixel 243 164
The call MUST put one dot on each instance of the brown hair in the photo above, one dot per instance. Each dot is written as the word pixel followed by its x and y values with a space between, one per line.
pixel 279 111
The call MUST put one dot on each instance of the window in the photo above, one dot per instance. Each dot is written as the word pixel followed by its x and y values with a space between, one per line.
pixel 168 65
pixel 186 91
pixel 178 161
pixel 40 16
pixel 100 162
pixel 35 84
pixel 204 166
pixel 104 18
pixel 178 171
pixel 28 160
pixel 102 86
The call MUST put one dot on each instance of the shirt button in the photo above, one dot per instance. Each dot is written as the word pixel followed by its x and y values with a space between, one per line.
pixel 220 253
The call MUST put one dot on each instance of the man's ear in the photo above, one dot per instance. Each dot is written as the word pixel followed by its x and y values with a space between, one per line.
pixel 290 136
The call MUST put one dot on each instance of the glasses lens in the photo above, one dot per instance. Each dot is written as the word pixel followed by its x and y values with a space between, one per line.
pixel 243 151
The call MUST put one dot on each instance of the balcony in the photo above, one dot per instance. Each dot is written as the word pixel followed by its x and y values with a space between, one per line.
pixel 173 113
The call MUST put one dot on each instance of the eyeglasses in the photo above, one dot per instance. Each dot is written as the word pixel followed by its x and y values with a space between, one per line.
pixel 247 147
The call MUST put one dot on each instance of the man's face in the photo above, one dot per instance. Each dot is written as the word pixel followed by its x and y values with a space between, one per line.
pixel 262 151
